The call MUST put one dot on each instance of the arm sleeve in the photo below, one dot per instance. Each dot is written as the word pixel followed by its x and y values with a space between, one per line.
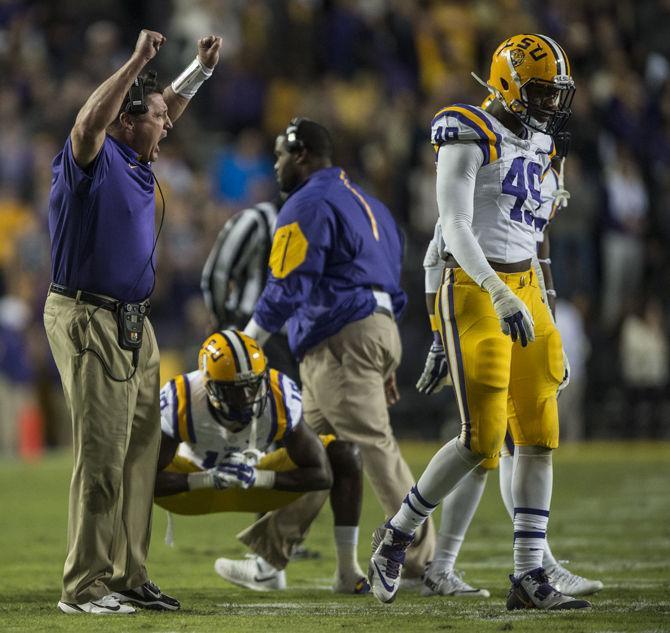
pixel 300 245
pixel 433 264
pixel 457 167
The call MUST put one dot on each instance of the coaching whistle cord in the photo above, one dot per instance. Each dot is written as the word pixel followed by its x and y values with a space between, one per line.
pixel 149 262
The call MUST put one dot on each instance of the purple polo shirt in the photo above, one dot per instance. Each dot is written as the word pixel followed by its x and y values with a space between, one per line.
pixel 101 222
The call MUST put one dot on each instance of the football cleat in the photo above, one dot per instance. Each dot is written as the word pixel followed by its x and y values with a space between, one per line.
pixel 253 573
pixel 148 596
pixel 567 582
pixel 357 585
pixel 450 583
pixel 107 605
pixel 533 591
pixel 388 555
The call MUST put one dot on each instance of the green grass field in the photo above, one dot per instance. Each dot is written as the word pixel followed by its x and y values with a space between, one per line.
pixel 610 518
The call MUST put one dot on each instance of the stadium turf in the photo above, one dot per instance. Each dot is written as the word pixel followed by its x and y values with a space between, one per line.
pixel 610 518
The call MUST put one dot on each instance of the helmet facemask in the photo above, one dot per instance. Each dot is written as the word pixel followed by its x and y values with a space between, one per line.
pixel 546 105
pixel 239 401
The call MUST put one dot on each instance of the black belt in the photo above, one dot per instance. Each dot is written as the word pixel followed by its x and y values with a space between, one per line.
pixel 89 297
pixel 516 267
pixel 382 310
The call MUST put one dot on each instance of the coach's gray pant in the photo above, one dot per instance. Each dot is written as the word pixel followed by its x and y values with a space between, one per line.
pixel 116 437
pixel 343 393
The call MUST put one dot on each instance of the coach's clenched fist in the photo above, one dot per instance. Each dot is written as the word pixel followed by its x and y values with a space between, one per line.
pixel 208 50
pixel 148 44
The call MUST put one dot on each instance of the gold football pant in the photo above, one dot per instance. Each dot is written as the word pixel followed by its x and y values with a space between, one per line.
pixel 496 381
pixel 271 536
pixel 211 500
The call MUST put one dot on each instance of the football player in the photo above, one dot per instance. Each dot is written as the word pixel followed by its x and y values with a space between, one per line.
pixel 217 421
pixel 460 504
pixel 501 341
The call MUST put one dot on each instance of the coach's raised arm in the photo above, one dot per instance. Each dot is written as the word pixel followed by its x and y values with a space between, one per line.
pixel 103 242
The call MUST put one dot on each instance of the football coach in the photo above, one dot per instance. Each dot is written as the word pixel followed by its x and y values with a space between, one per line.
pixel 101 222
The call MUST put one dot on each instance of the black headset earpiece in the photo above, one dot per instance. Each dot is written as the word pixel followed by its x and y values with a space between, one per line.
pixel 136 104
pixel 293 143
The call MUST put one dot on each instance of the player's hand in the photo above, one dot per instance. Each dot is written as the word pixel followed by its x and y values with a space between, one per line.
pixel 561 197
pixel 252 456
pixel 208 50
pixel 234 472
pixel 148 44
pixel 436 371
pixel 391 390
pixel 515 319
pixel 566 375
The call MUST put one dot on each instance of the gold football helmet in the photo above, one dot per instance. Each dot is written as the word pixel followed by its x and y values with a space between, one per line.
pixel 235 371
pixel 530 76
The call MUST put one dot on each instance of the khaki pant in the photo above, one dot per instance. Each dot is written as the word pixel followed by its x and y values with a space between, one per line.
pixel 343 393
pixel 116 436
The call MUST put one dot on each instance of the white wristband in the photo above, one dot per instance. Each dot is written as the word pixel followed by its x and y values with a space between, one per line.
pixel 551 292
pixel 194 75
pixel 203 479
pixel 265 479
pixel 255 331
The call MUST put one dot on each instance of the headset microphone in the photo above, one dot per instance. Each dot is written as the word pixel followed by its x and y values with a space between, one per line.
pixel 136 103
pixel 293 143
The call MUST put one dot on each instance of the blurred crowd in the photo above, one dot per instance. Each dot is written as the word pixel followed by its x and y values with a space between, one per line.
pixel 374 72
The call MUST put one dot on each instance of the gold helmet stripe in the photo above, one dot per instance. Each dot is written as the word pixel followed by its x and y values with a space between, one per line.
pixel 559 55
pixel 242 364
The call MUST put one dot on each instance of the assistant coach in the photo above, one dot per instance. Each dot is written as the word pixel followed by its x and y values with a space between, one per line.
pixel 334 279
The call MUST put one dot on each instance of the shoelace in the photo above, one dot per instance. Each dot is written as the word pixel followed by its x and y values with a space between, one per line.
pixel 544 589
pixel 152 587
pixel 561 573
pixel 395 554
pixel 456 578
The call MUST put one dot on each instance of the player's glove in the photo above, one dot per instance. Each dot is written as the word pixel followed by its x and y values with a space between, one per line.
pixel 435 373
pixel 561 197
pixel 234 472
pixel 566 375
pixel 252 456
pixel 515 319
pixel 237 470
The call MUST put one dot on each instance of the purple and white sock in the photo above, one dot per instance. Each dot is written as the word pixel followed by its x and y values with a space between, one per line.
pixel 413 512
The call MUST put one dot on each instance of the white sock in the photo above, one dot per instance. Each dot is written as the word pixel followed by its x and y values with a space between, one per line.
pixel 346 542
pixel 458 509
pixel 448 466
pixel 506 471
pixel 531 492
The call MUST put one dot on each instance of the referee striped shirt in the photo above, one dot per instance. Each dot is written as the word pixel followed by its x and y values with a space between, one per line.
pixel 236 269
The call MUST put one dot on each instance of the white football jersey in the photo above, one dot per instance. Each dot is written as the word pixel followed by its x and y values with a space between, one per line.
pixel 187 418
pixel 507 188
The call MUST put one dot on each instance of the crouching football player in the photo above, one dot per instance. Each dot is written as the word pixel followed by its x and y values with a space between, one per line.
pixel 217 422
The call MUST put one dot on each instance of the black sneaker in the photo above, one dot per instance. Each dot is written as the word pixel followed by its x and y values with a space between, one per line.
pixel 533 591
pixel 148 596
